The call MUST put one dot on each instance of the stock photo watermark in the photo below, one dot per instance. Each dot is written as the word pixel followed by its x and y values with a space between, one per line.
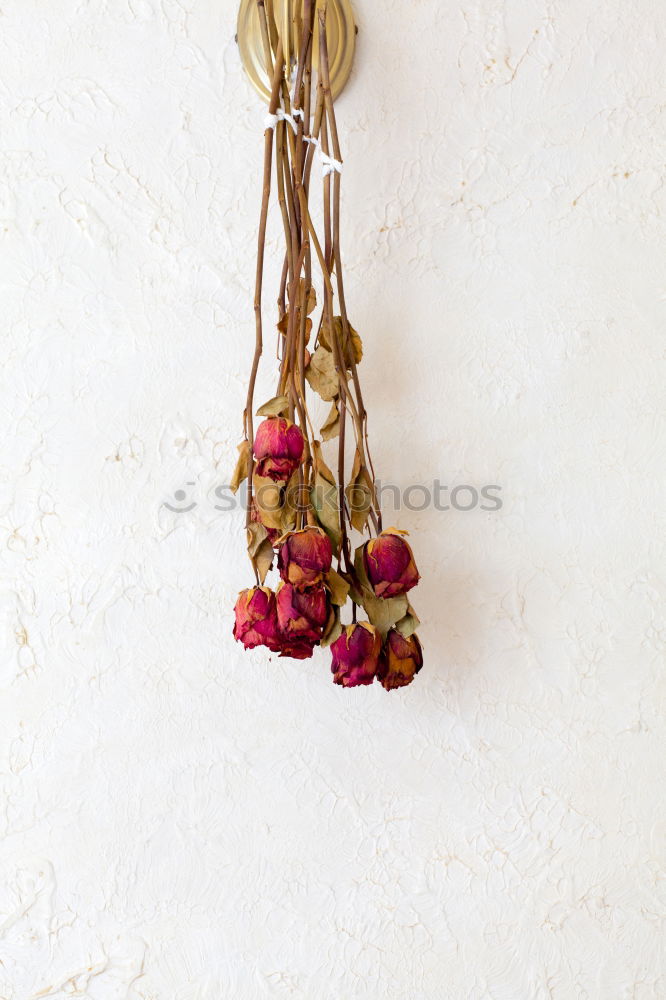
pixel 415 497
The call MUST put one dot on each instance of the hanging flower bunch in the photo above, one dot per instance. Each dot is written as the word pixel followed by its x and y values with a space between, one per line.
pixel 300 515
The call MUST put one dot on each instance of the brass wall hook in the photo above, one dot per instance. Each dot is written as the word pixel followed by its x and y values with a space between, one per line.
pixel 288 18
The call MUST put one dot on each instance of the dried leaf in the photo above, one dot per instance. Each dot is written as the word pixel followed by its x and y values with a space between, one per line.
pixel 356 349
pixel 256 533
pixel 283 327
pixel 333 628
pixel 408 625
pixel 321 374
pixel 259 550
pixel 243 466
pixel 288 519
pixel 276 407
pixel 324 499
pixel 290 504
pixel 357 346
pixel 268 499
pixel 331 428
pixel 383 613
pixel 320 465
pixel 338 588
pixel 312 297
pixel 359 493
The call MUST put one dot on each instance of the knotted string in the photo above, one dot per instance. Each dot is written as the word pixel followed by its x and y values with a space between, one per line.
pixel 329 164
pixel 281 116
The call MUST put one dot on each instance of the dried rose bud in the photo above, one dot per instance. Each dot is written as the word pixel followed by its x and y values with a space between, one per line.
pixel 301 614
pixel 305 557
pixel 400 660
pixel 278 448
pixel 256 619
pixel 356 655
pixel 297 649
pixel 390 565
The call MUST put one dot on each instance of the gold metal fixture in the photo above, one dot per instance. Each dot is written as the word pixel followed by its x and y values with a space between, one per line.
pixel 288 18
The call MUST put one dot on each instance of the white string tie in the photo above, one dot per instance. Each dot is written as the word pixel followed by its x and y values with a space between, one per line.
pixel 329 165
pixel 270 121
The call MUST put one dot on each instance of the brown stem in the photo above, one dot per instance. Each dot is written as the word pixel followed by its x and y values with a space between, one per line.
pixel 347 345
pixel 261 250
pixel 294 158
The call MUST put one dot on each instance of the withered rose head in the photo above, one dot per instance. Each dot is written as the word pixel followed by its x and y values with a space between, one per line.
pixel 256 619
pixel 297 649
pixel 305 557
pixel 390 565
pixel 302 614
pixel 400 660
pixel 356 655
pixel 278 448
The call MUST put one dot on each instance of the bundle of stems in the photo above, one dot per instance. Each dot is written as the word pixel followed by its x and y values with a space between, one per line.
pixel 318 349
pixel 293 152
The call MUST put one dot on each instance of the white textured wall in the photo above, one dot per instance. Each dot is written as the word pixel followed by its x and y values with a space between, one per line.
pixel 182 821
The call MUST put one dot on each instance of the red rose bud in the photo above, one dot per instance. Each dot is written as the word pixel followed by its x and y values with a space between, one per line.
pixel 390 565
pixel 278 448
pixel 305 557
pixel 301 614
pixel 297 649
pixel 400 660
pixel 256 619
pixel 356 655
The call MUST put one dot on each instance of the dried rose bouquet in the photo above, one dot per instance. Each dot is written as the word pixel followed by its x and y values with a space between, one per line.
pixel 297 508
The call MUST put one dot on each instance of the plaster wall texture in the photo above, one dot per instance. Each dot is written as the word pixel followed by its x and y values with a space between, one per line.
pixel 183 821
